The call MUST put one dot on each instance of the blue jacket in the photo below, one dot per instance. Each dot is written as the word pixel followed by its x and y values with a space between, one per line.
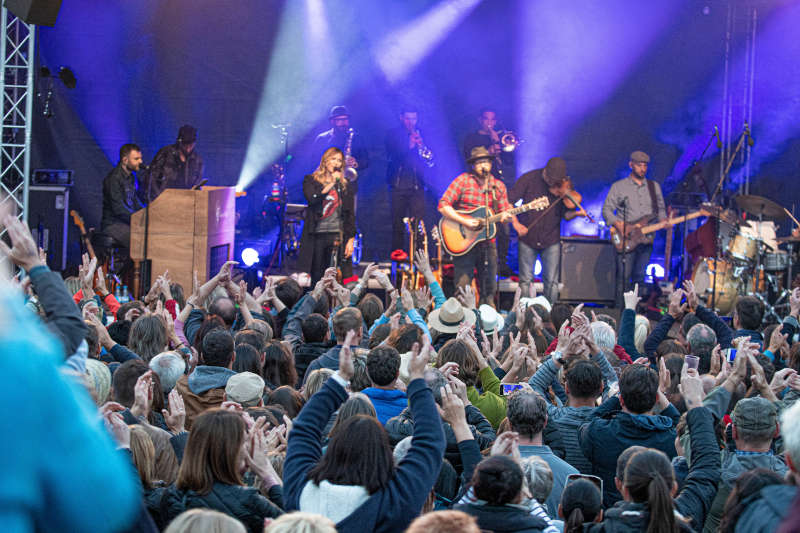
pixel 387 403
pixel 393 508
pixel 611 431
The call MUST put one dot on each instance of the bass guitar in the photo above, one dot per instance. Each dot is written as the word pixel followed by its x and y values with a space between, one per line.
pixel 641 232
pixel 458 239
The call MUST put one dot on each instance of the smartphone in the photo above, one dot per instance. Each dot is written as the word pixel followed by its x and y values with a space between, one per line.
pixel 598 482
pixel 692 361
pixel 508 388
pixel 730 354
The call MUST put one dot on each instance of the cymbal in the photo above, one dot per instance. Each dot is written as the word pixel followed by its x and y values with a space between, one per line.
pixel 758 205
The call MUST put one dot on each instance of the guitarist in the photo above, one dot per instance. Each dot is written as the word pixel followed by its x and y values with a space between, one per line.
pixel 466 192
pixel 540 233
pixel 637 198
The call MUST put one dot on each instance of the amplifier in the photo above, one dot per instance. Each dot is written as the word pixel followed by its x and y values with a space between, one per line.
pixel 588 270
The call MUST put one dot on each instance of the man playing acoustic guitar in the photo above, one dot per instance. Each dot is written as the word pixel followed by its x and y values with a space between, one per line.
pixel 640 201
pixel 466 193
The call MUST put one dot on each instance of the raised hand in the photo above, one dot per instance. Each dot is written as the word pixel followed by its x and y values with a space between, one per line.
pixel 23 252
pixel 632 298
pixel 225 272
pixel 424 298
pixel 406 299
pixel 676 310
pixel 423 263
pixel 691 294
pixel 420 357
pixel 691 387
pixel 143 395
pixel 346 368
pixel 176 416
pixel 452 406
pixel 466 296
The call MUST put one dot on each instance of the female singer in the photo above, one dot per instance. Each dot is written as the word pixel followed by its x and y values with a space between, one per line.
pixel 330 223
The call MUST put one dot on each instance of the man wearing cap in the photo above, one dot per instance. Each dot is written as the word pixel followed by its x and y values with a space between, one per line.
pixel 246 389
pixel 631 199
pixel 540 231
pixel 405 174
pixel 176 166
pixel 339 118
pixel 466 192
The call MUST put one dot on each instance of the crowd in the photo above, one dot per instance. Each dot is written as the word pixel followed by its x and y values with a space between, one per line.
pixel 332 410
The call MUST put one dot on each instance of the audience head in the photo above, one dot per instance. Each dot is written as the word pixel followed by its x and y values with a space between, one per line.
pixel 143 453
pixel 749 313
pixel 435 380
pixel 383 365
pixel 584 380
pixel 247 359
pixel 379 334
pixel 299 522
pixel 213 451
pixel 608 319
pixel 538 477
pixel 252 338
pixel 315 381
pixel 224 308
pixel 444 522
pixel 204 521
pixel 119 331
pixel 498 480
pixel 404 337
pixel 148 337
pixel 748 484
pixel 92 340
pixel 604 336
pixel 371 308
pixel 458 351
pixel 261 327
pixel 688 322
pixel 130 311
pixel 124 380
pixel 701 340
pixel 790 431
pixel 622 462
pixel 358 454
pixel 356 404
pixel 246 389
pixel 649 479
pixel 169 366
pixel 640 332
pixel 638 388
pixel 279 366
pixel 559 314
pixel 99 377
pixel 288 398
pixel 315 328
pixel 668 346
pixel 218 348
pixel 210 322
pixel 288 292
pixel 527 414
pixel 581 502
pixel 755 424
pixel 346 319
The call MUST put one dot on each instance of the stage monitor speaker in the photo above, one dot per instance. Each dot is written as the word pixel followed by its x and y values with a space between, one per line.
pixel 39 12
pixel 588 270
pixel 48 218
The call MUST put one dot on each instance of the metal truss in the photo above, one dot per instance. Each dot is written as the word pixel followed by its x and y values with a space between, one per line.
pixel 17 62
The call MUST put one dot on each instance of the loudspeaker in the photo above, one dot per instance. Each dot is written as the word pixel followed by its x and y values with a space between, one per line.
pixel 48 218
pixel 39 12
pixel 588 270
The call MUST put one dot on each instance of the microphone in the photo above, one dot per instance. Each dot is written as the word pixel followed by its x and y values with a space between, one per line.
pixel 716 134
pixel 750 141
pixel 200 184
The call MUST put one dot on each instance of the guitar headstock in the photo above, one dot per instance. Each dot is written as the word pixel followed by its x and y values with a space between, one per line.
pixel 435 234
pixel 78 220
pixel 540 203
pixel 409 223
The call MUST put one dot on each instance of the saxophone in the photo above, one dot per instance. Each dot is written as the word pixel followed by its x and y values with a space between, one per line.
pixel 349 172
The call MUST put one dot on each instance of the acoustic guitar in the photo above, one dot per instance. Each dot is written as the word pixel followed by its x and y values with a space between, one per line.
pixel 458 239
pixel 641 232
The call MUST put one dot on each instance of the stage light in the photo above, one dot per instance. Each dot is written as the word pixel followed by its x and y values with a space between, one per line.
pixel 655 271
pixel 250 257
pixel 537 268
pixel 403 49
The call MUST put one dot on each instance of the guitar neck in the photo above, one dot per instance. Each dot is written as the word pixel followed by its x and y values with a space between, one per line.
pixel 514 211
pixel 671 222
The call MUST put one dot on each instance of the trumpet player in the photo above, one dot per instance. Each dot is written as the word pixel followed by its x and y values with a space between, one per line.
pixel 408 159
pixel 502 147
pixel 330 223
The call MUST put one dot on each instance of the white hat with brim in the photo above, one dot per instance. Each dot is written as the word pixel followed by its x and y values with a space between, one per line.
pixel 541 300
pixel 491 320
pixel 449 317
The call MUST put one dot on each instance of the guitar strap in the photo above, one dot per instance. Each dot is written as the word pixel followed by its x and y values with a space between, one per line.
pixel 651 188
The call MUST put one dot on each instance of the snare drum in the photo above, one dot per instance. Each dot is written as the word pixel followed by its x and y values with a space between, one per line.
pixel 776 262
pixel 743 248
pixel 727 283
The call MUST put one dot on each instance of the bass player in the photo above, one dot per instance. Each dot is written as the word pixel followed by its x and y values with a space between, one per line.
pixel 466 192
pixel 634 200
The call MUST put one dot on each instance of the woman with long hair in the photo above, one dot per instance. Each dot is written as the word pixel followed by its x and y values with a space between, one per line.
pixel 330 224
pixel 218 452
pixel 279 366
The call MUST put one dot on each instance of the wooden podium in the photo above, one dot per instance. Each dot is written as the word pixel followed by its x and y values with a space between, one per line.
pixel 189 230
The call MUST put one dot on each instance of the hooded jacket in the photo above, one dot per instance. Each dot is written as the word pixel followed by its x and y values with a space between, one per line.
pixel 305 354
pixel 629 517
pixel 611 431
pixel 765 510
pixel 503 518
pixel 203 389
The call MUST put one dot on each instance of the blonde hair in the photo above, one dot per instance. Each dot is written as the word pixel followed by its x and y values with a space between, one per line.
pixel 144 455
pixel 321 170
pixel 315 381
pixel 204 521
pixel 640 332
pixel 300 522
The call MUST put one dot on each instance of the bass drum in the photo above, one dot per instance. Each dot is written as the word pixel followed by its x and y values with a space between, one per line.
pixel 727 283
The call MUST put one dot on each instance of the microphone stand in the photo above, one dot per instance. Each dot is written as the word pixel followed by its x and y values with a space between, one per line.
pixel 624 276
pixel 144 274
pixel 486 190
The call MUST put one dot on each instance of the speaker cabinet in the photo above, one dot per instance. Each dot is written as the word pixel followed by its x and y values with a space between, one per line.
pixel 588 270
pixel 48 218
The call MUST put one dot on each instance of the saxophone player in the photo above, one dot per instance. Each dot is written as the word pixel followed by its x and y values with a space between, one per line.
pixel 339 136
pixel 408 158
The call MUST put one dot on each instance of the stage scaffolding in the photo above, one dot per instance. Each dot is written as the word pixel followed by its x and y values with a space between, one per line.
pixel 16 87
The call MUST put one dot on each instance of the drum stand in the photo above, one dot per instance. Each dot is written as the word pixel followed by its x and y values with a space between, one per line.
pixel 782 301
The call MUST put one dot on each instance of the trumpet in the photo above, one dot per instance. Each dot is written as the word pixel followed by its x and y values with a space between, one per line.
pixel 425 153
pixel 509 141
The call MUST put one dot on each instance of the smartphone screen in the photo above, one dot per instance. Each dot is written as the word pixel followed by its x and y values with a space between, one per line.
pixel 730 354
pixel 508 388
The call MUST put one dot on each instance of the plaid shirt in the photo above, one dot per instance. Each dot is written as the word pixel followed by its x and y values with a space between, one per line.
pixel 466 193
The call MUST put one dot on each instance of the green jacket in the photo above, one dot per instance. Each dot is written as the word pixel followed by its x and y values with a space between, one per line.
pixel 491 403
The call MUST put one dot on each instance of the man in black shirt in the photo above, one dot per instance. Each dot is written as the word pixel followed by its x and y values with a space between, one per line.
pixel 119 195
pixel 502 169
pixel 176 166
pixel 405 173
pixel 540 231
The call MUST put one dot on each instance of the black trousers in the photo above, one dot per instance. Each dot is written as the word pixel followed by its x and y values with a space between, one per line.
pixel 405 203
pixel 324 245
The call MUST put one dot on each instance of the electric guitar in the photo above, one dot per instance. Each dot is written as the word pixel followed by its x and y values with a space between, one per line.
pixel 78 221
pixel 458 239
pixel 640 232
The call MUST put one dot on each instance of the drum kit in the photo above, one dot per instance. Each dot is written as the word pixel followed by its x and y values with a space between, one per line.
pixel 750 261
